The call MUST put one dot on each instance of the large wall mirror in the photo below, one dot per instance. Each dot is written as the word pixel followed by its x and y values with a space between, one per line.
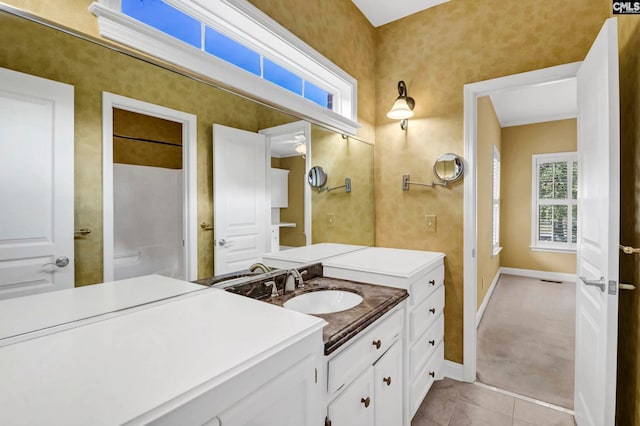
pixel 143 139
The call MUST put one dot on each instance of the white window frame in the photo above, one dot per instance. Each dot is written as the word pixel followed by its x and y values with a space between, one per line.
pixel 536 161
pixel 246 24
pixel 495 202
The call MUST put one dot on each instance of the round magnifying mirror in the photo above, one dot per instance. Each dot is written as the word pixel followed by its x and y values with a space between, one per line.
pixel 449 167
pixel 317 177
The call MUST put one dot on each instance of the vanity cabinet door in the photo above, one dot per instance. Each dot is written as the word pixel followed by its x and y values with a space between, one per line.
pixel 355 406
pixel 388 387
pixel 287 400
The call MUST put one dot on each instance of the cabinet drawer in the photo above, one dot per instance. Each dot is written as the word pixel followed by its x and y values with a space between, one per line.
pixel 423 315
pixel 425 285
pixel 425 345
pixel 363 352
pixel 425 379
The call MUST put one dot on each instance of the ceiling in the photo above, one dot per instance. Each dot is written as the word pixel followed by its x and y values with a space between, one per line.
pixel 536 104
pixel 380 12
pixel 285 145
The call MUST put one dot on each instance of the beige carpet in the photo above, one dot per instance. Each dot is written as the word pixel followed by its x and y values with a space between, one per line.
pixel 526 339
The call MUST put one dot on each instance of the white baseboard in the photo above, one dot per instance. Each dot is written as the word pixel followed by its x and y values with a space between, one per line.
pixel 543 275
pixel 452 370
pixel 487 297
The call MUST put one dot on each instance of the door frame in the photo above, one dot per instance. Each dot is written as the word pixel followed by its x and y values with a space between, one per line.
pixel 189 166
pixel 295 127
pixel 471 94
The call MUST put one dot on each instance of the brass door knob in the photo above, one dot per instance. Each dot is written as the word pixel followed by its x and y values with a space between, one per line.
pixel 432 310
pixel 432 282
pixel 432 374
pixel 432 342
pixel 366 402
pixel 387 380
pixel 377 343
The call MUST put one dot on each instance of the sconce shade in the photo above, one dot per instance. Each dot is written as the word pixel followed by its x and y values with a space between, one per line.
pixel 401 109
pixel 301 149
pixel 403 106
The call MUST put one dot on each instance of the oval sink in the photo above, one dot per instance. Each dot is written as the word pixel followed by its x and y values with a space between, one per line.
pixel 323 302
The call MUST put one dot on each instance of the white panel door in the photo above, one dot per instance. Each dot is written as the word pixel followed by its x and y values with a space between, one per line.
pixel 240 198
pixel 598 231
pixel 36 185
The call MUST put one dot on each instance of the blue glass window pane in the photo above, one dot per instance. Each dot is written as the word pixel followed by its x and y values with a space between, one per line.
pixel 235 53
pixel 165 18
pixel 282 77
pixel 316 94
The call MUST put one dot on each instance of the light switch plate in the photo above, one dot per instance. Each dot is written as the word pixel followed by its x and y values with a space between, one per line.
pixel 430 222
pixel 331 219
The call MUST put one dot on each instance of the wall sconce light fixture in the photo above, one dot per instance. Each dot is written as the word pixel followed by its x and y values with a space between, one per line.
pixel 402 108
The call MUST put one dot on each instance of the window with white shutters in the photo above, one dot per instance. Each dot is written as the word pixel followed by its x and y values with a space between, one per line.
pixel 554 203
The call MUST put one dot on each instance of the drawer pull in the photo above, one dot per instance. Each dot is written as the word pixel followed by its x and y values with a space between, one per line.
pixel 366 402
pixel 377 343
pixel 387 380
pixel 432 310
pixel 432 282
pixel 432 374
pixel 432 342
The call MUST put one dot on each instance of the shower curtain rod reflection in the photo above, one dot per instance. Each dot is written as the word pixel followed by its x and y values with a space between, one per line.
pixel 146 140
pixel 345 136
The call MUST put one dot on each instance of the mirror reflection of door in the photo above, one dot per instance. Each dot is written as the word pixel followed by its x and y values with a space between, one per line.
pixel 147 196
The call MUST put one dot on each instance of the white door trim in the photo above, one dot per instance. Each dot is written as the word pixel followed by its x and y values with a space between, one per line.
pixel 297 126
pixel 471 93
pixel 189 165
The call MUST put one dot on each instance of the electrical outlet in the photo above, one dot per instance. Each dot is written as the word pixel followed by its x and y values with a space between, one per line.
pixel 331 220
pixel 430 222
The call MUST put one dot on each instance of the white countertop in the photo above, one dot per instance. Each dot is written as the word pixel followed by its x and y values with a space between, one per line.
pixel 387 261
pixel 313 252
pixel 111 371
pixel 36 312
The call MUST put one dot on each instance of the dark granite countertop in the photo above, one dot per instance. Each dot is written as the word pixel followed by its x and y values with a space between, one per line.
pixel 342 325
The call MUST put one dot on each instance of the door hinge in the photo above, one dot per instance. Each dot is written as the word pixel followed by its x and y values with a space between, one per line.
pixel 316 370
pixel 327 422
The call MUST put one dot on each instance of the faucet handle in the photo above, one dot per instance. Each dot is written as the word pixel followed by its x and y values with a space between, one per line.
pixel 301 283
pixel 274 289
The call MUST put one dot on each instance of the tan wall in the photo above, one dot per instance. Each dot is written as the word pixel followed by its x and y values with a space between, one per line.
pixel 353 212
pixel 294 237
pixel 145 153
pixel 91 69
pixel 489 134
pixel 519 143
pixel 628 392
pixel 437 52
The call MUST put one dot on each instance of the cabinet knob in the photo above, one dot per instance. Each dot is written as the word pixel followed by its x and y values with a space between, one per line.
pixel 387 380
pixel 432 342
pixel 432 282
pixel 432 310
pixel 366 402
pixel 377 343
pixel 432 374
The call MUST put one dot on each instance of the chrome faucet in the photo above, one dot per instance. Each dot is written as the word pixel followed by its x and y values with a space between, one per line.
pixel 264 268
pixel 274 289
pixel 293 280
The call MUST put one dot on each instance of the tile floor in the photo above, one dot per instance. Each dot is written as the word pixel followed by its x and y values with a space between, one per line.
pixel 452 403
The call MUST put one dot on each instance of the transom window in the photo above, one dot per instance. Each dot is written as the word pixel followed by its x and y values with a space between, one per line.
pixel 555 206
pixel 236 44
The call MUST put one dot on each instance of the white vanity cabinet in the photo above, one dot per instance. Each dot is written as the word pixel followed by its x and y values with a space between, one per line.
pixel 206 358
pixel 365 378
pixel 315 253
pixel 421 273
